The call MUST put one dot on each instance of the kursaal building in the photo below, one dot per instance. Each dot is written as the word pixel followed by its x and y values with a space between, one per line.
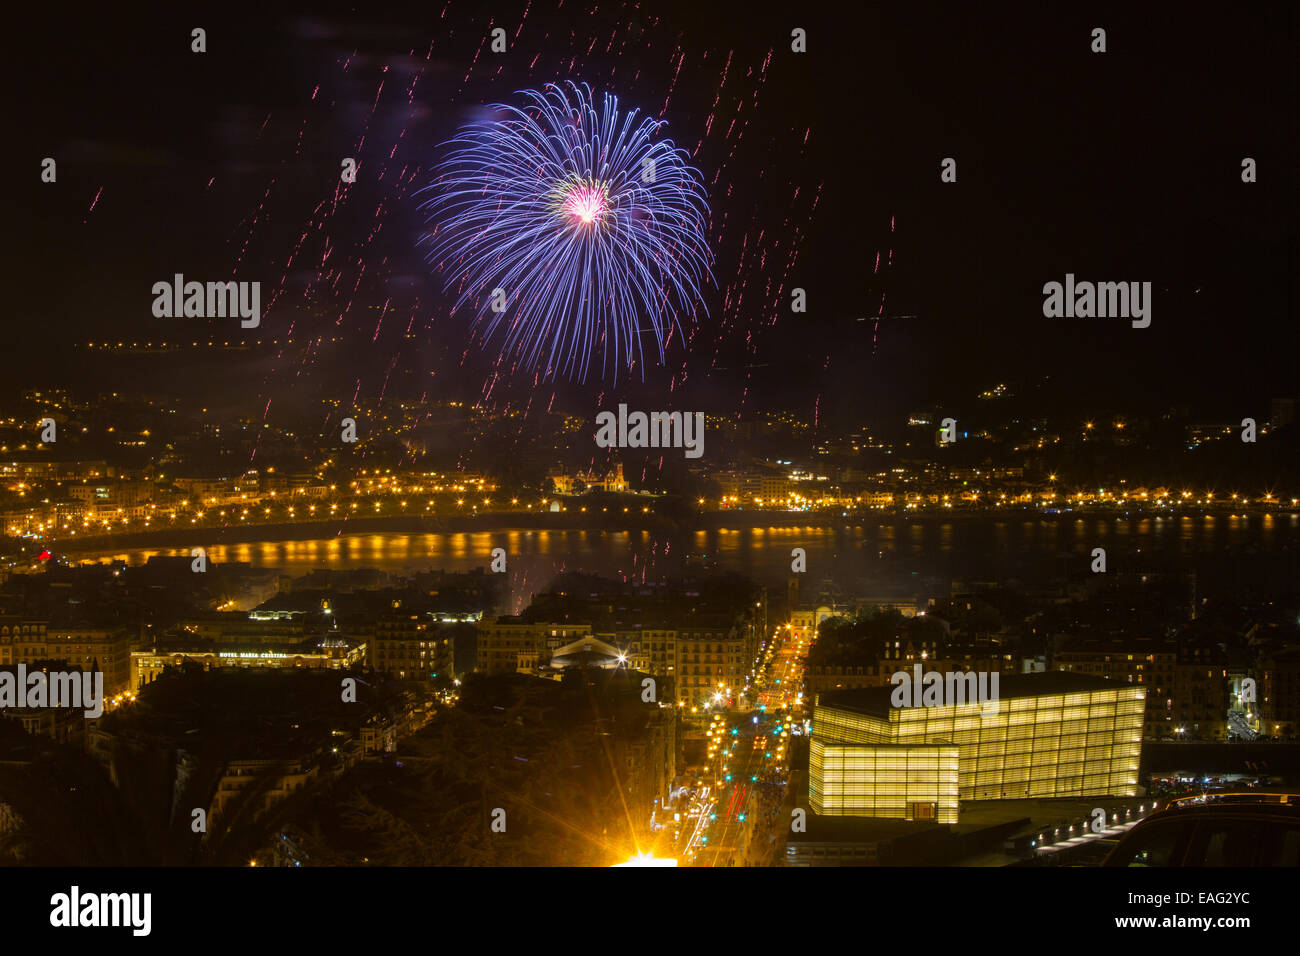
pixel 1053 734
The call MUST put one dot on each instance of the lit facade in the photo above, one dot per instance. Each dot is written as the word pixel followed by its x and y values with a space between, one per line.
pixel 1052 735
pixel 611 482
pixel 710 661
pixel 1151 664
pixel 702 661
pixel 510 645
pixel 22 640
pixel 912 782
pixel 410 646
pixel 146 666
pixel 104 649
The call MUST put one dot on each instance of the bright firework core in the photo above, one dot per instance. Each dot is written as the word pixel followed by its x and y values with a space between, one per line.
pixel 552 204
pixel 585 202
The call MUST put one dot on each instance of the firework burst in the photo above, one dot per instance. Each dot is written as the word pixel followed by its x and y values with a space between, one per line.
pixel 568 228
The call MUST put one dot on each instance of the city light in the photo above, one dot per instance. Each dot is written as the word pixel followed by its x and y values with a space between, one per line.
pixel 646 859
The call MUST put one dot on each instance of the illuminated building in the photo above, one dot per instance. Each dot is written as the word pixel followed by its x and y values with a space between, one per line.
pixel 611 482
pixel 338 655
pixel 1152 664
pixel 591 652
pixel 21 640
pixel 710 663
pixel 704 662
pixel 410 646
pixel 1279 693
pixel 103 649
pixel 809 618
pixel 1051 735
pixel 510 645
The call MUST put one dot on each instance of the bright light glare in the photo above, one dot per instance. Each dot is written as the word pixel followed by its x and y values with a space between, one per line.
pixel 646 859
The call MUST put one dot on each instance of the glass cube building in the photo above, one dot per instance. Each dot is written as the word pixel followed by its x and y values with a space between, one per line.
pixel 1054 734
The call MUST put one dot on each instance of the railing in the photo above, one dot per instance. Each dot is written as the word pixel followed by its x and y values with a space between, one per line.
pixel 1284 799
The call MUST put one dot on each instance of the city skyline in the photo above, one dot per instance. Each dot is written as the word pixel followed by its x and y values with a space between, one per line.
pixel 450 442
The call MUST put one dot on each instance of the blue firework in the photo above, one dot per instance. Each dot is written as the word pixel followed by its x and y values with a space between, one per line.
pixel 569 229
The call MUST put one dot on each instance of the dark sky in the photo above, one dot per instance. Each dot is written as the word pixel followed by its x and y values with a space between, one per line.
pixel 1115 166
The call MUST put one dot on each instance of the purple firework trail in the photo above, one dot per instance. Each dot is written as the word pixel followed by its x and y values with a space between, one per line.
pixel 565 225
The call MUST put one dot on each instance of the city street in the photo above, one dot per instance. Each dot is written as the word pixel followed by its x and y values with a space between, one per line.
pixel 747 767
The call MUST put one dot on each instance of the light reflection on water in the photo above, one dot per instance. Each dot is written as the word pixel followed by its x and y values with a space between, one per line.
pixel 938 545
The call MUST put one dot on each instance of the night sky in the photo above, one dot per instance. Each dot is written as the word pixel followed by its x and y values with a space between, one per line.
pixel 1117 166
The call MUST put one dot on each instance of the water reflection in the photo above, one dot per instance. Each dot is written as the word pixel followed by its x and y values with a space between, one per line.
pixel 960 546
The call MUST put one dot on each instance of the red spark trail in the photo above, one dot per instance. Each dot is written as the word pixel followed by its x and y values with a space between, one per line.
pixel 92 205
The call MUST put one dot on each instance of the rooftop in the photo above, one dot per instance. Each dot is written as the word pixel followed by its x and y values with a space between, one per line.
pixel 875 701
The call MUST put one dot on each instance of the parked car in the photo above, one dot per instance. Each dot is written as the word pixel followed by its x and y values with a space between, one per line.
pixel 1212 830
